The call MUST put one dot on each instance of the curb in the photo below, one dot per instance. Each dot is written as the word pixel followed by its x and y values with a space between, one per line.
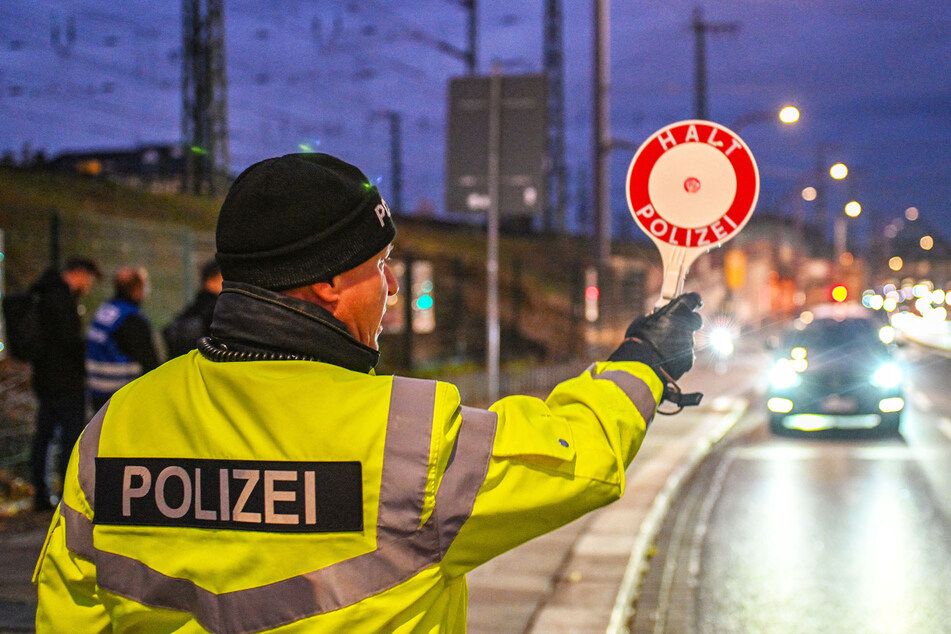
pixel 637 564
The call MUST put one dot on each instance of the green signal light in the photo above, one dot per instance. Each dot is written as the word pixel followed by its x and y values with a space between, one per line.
pixel 427 286
pixel 425 302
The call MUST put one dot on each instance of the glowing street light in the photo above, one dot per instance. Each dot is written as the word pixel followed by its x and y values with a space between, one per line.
pixel 853 209
pixel 911 214
pixel 895 263
pixel 809 193
pixel 838 171
pixel 789 114
pixel 926 243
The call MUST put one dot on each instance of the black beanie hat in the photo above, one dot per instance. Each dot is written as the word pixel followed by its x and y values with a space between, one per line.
pixel 297 219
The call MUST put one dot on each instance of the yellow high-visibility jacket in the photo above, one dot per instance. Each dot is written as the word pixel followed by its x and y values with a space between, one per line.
pixel 298 496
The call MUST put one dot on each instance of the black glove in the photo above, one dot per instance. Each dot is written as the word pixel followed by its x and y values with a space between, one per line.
pixel 664 338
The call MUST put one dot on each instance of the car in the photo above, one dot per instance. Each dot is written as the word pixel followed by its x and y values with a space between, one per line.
pixel 836 370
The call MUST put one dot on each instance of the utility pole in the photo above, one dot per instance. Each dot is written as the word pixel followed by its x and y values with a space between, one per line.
pixel 492 237
pixel 204 98
pixel 601 140
pixel 395 120
pixel 555 72
pixel 467 55
pixel 700 30
pixel 472 31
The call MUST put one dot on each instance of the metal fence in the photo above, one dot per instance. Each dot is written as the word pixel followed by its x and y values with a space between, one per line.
pixel 173 256
pixel 532 380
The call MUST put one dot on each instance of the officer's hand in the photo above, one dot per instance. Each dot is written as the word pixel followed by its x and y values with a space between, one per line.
pixel 665 337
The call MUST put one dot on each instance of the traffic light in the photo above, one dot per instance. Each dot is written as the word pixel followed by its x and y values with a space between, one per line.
pixel 591 294
pixel 424 314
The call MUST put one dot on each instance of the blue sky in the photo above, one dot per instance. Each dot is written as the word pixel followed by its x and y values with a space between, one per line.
pixel 871 80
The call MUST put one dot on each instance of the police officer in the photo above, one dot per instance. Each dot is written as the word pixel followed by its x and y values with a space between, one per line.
pixel 119 345
pixel 271 481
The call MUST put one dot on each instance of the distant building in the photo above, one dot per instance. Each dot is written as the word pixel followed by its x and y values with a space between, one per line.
pixel 156 168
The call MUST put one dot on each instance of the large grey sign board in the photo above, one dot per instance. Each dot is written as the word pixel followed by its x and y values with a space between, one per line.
pixel 522 152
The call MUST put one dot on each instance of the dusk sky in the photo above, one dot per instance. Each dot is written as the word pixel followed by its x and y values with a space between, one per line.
pixel 871 79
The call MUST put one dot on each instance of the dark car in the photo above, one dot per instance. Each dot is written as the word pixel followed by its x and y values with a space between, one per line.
pixel 834 373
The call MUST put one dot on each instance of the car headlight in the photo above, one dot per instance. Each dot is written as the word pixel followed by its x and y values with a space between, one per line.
pixel 721 340
pixel 783 375
pixel 887 375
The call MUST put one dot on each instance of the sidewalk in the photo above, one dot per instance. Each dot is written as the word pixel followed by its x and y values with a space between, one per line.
pixel 21 539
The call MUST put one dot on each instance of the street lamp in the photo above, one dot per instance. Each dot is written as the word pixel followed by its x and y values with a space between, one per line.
pixel 787 115
pixel 838 171
pixel 853 209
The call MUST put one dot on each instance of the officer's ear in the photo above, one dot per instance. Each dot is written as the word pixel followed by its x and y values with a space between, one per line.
pixel 327 292
pixel 324 294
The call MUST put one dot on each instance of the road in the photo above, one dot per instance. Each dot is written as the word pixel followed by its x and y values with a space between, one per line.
pixel 813 535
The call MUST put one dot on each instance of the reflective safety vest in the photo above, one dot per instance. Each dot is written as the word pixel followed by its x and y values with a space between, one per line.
pixel 107 367
pixel 295 496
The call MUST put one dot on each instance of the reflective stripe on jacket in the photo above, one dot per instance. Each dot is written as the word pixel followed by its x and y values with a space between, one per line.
pixel 107 367
pixel 443 488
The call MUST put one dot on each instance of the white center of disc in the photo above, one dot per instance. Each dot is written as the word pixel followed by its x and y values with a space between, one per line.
pixel 674 185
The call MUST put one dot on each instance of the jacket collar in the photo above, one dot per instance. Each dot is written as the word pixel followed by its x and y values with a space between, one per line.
pixel 256 320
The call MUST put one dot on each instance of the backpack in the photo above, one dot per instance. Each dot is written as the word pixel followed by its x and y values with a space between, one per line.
pixel 24 332
pixel 182 334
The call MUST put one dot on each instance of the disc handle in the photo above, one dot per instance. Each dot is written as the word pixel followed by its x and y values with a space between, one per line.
pixel 677 261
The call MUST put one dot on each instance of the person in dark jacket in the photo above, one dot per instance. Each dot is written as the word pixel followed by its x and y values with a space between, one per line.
pixel 59 373
pixel 119 346
pixel 194 322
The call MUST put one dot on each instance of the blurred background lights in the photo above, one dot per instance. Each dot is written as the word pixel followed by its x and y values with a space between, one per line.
pixel 809 193
pixel 911 214
pixel 890 304
pixel 876 302
pixel 840 293
pixel 926 242
pixel 886 334
pixel 853 209
pixel 789 114
pixel 838 171
pixel 895 263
